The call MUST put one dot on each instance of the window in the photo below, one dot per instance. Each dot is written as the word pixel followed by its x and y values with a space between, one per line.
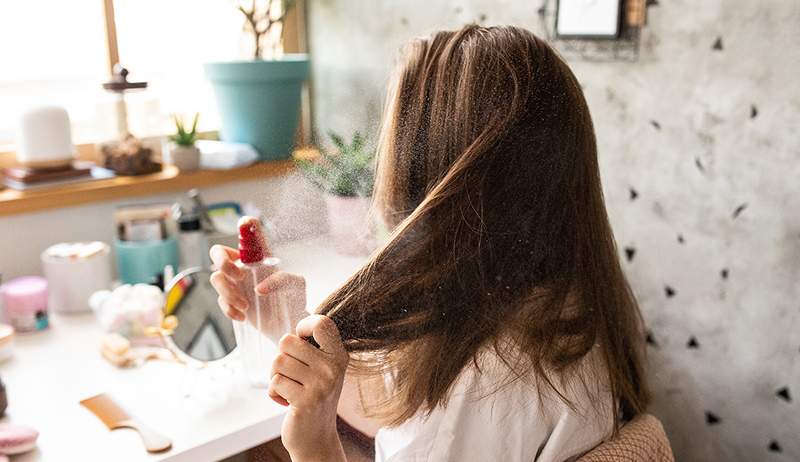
pixel 166 43
pixel 46 58
pixel 57 52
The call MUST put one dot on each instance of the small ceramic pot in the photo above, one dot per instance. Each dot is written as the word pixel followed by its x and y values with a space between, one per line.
pixel 349 223
pixel 186 158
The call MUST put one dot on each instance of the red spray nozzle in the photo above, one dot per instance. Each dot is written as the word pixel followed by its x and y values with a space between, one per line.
pixel 252 247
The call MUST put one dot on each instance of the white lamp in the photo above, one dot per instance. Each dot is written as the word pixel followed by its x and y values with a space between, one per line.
pixel 45 138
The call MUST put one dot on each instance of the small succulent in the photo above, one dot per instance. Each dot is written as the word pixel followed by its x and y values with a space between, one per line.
pixel 349 172
pixel 183 137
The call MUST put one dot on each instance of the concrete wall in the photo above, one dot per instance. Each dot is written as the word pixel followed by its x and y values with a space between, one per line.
pixel 700 156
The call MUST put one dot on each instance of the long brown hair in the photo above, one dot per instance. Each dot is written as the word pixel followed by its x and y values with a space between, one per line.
pixel 488 172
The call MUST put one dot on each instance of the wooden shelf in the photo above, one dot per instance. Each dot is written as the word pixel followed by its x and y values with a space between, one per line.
pixel 13 202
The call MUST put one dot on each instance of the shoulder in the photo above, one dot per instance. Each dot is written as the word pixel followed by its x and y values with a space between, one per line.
pixel 493 415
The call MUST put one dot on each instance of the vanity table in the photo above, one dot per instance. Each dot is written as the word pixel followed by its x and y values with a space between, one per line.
pixel 52 371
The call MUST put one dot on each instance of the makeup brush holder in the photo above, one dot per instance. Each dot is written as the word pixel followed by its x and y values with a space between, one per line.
pixel 141 262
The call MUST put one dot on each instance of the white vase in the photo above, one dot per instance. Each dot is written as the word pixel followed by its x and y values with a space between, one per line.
pixel 351 228
pixel 186 158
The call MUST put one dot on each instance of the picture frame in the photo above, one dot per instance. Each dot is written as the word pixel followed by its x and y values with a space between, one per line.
pixel 588 19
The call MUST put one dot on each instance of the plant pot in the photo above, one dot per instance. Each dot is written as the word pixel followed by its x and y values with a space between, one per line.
pixel 186 158
pixel 349 223
pixel 259 102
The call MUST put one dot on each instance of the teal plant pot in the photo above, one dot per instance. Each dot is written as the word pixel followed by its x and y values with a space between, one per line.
pixel 259 102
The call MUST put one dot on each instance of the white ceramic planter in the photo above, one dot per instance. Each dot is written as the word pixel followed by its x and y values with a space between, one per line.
pixel 350 226
pixel 186 158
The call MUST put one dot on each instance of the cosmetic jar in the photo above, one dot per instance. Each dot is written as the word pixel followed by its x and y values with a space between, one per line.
pixel 25 300
pixel 75 271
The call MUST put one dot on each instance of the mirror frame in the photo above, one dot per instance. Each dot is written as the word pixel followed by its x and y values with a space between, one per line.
pixel 170 343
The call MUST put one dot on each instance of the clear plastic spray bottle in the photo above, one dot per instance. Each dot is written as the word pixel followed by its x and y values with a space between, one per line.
pixel 267 317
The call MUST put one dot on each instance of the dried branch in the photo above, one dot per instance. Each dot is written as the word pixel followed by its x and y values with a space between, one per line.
pixel 253 19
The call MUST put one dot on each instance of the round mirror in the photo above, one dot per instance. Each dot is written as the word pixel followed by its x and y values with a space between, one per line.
pixel 199 329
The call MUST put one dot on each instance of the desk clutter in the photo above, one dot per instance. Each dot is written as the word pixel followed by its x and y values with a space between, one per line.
pixel 14 438
pixel 46 156
pixel 151 297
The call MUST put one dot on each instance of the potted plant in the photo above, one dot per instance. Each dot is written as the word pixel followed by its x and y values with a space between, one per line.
pixel 346 178
pixel 182 151
pixel 259 99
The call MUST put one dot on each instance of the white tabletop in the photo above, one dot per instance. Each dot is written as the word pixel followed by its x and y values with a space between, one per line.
pixel 52 371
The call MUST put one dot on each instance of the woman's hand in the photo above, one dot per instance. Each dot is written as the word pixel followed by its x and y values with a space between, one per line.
pixel 283 294
pixel 309 381
pixel 228 280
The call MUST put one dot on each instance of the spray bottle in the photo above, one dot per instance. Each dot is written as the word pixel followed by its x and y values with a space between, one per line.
pixel 267 317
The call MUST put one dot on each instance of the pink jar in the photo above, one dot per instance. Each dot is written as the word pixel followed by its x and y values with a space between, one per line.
pixel 25 301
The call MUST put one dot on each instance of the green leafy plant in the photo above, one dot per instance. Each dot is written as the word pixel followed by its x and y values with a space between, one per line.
pixel 260 20
pixel 349 172
pixel 183 137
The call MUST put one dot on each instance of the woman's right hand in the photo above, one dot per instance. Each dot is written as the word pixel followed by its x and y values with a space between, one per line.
pixel 227 280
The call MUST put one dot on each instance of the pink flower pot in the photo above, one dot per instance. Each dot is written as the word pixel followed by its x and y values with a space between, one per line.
pixel 350 226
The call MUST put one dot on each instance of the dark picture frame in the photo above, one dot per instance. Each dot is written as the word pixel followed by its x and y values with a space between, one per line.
pixel 588 19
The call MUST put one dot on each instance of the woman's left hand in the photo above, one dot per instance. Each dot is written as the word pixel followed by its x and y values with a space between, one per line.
pixel 309 381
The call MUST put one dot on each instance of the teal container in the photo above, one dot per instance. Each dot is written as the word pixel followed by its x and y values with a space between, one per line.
pixel 259 102
pixel 142 262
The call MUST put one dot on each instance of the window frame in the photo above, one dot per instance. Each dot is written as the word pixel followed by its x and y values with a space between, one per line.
pixel 294 41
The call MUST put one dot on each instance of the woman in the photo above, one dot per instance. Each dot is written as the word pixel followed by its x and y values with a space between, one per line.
pixel 497 314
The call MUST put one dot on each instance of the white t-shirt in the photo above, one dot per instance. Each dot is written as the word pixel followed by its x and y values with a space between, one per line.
pixel 483 423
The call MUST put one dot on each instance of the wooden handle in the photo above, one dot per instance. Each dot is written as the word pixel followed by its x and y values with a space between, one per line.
pixel 153 441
